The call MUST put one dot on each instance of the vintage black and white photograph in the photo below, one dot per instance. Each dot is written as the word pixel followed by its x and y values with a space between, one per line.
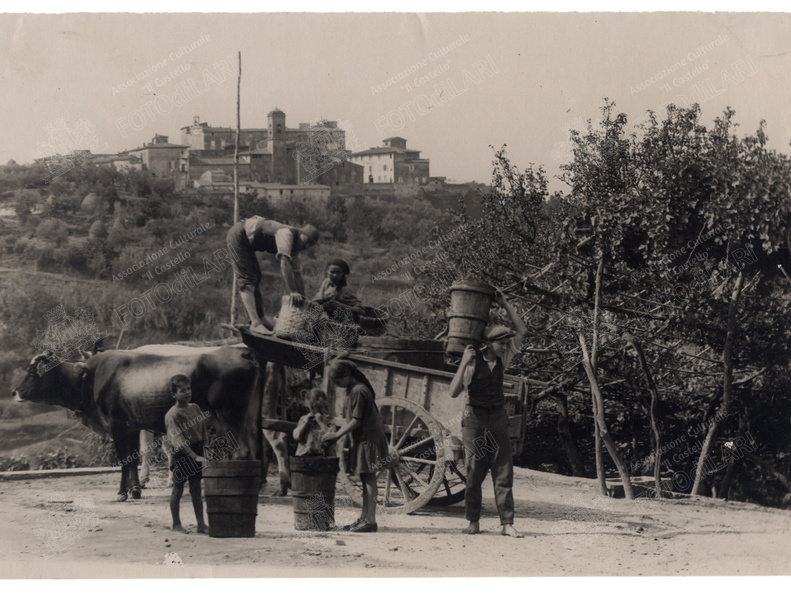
pixel 406 294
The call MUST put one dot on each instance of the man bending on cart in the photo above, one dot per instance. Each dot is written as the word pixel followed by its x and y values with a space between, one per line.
pixel 258 234
pixel 487 441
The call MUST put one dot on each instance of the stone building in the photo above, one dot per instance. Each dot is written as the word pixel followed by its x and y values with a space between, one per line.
pixel 161 158
pixel 275 154
pixel 127 163
pixel 200 136
pixel 314 154
pixel 393 163
pixel 344 174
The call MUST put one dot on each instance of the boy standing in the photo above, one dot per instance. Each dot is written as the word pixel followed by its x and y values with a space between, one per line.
pixel 186 433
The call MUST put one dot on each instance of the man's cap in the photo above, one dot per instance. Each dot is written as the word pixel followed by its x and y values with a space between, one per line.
pixel 499 333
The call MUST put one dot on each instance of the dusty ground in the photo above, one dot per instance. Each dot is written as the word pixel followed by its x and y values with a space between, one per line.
pixel 70 527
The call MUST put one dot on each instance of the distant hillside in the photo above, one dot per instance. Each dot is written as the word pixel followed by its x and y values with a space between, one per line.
pixel 101 239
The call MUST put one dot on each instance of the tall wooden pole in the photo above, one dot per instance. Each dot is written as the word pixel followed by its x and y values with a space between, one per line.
pixel 236 177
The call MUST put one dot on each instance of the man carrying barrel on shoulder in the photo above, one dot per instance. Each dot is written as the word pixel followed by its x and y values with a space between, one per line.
pixel 487 441
pixel 258 234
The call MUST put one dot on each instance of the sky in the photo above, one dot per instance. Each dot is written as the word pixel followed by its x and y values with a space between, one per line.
pixel 454 85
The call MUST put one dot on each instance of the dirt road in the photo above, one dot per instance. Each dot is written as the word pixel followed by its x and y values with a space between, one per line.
pixel 70 527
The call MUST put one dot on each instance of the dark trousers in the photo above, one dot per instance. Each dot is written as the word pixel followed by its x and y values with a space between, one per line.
pixel 487 446
pixel 246 266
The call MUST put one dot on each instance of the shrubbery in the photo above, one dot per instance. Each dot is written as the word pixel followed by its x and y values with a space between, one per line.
pixel 60 458
pixel 54 231
pixel 13 464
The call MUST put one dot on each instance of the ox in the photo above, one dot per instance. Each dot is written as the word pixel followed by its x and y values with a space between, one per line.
pixel 119 393
pixel 283 390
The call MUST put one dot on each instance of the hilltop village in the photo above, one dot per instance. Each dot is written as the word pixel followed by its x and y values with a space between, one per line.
pixel 314 160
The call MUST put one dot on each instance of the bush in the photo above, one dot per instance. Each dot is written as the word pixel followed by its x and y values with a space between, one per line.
pixel 9 361
pixel 73 256
pixel 26 200
pixel 60 458
pixel 100 255
pixel 251 205
pixel 160 229
pixel 103 451
pixel 61 205
pixel 47 260
pixel 32 223
pixel 13 464
pixel 54 231
pixel 10 244
pixel 97 230
pixel 20 246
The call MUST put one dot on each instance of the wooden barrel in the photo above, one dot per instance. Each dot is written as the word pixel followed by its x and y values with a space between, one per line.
pixel 422 353
pixel 313 491
pixel 469 314
pixel 231 490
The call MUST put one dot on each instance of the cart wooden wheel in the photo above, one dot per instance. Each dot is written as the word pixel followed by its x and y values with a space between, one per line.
pixel 453 485
pixel 420 461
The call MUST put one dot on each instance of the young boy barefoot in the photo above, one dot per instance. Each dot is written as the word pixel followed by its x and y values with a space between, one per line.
pixel 186 434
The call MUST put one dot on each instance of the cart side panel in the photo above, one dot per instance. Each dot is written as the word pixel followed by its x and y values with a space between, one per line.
pixel 515 390
pixel 429 388
pixel 425 387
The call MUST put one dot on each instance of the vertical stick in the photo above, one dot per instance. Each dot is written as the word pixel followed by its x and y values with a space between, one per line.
pixel 236 178
pixel 120 336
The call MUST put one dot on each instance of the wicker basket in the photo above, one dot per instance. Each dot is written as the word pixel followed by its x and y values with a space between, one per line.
pixel 294 321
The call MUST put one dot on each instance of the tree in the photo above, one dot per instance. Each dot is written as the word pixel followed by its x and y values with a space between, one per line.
pixel 54 231
pixel 26 201
pixel 644 196
pixel 662 255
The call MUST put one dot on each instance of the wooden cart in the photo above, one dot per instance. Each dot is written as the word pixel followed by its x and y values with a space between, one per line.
pixel 422 423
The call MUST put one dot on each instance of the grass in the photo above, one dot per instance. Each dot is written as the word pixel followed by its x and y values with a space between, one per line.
pixel 24 431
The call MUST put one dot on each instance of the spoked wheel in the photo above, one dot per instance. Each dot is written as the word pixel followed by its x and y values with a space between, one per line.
pixel 452 487
pixel 420 467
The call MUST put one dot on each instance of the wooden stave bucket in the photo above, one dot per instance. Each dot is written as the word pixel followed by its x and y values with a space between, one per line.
pixel 231 489
pixel 312 476
pixel 469 313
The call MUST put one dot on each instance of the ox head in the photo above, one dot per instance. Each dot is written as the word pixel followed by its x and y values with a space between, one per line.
pixel 50 381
